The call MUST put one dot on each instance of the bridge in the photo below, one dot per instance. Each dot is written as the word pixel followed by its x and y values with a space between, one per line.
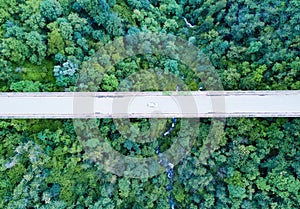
pixel 180 104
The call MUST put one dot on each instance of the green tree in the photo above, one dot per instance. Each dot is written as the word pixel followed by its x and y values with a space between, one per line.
pixel 37 47
pixel 14 50
pixel 50 9
pixel 26 86
pixel 56 43
pixel 109 82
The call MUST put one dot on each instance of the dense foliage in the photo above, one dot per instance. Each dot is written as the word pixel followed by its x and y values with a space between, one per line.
pixel 253 45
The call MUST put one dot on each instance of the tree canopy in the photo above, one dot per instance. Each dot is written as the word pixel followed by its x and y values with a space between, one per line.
pixel 46 44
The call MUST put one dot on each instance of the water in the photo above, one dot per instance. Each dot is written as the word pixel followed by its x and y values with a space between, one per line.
pixel 167 164
pixel 163 161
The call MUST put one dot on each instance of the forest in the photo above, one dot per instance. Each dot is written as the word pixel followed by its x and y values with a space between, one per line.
pixel 54 45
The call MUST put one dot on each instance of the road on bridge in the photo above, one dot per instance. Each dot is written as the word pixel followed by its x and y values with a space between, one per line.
pixel 150 104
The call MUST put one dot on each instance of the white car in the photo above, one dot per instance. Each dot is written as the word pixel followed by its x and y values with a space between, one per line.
pixel 152 104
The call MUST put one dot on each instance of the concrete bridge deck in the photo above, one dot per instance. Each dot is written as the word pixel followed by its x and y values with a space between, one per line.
pixel 150 104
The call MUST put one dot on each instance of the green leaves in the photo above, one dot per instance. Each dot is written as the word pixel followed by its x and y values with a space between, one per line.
pixel 124 187
pixel 109 82
pixel 36 45
pixel 55 42
pixel 237 191
pixel 26 86
pixel 256 165
pixel 50 9
pixel 15 50
pixel 261 184
pixel 92 143
pixel 254 46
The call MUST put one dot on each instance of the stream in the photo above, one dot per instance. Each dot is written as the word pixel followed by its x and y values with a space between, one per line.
pixel 163 161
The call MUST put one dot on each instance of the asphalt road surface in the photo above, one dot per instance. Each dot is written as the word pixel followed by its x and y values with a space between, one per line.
pixel 150 104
